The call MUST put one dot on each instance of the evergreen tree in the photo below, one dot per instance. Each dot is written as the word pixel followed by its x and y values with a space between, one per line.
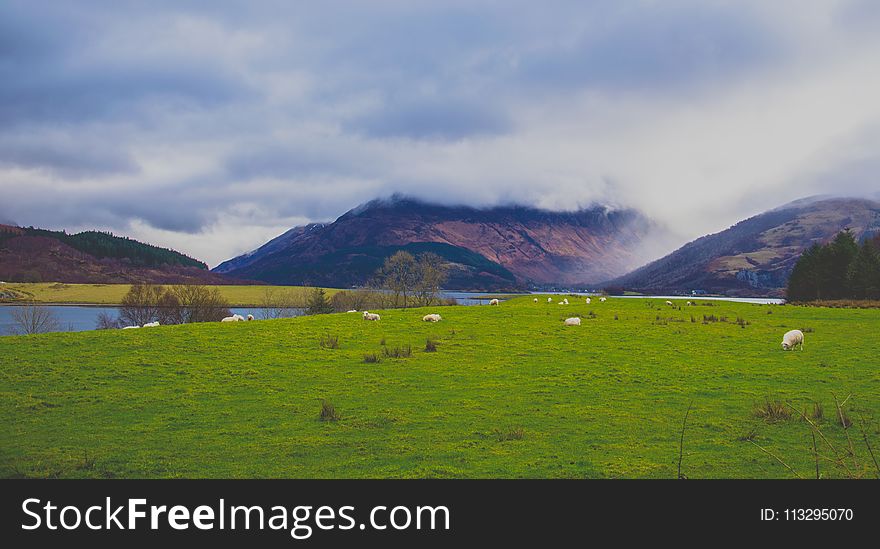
pixel 864 272
pixel 319 304
pixel 805 281
pixel 841 253
pixel 840 269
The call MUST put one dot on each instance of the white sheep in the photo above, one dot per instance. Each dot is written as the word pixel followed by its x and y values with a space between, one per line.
pixel 493 302
pixel 536 300
pixel 238 317
pixel 562 303
pixel 151 324
pixel 574 321
pixel 669 303
pixel 371 316
pixel 588 301
pixel 131 327
pixel 352 311
pixel 792 339
pixel 250 317
pixel 432 318
pixel 603 299
pixel 688 303
pixel 549 300
pixel 229 319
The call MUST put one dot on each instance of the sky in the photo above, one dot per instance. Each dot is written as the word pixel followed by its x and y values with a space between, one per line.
pixel 210 127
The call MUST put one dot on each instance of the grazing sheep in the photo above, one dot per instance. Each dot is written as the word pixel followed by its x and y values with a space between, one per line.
pixel 250 317
pixel 493 302
pixel 371 316
pixel 229 319
pixel 238 317
pixel 603 299
pixel 549 300
pixel 688 303
pixel 562 303
pixel 151 324
pixel 352 311
pixel 669 303
pixel 131 327
pixel 536 300
pixel 574 321
pixel 432 318
pixel 588 301
pixel 792 339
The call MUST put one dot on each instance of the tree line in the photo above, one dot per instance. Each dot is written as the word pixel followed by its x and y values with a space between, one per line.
pixel 840 269
pixel 104 244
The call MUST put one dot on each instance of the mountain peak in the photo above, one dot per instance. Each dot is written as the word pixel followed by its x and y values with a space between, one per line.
pixel 500 246
pixel 756 255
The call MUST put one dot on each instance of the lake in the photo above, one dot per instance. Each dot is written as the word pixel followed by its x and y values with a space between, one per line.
pixel 78 318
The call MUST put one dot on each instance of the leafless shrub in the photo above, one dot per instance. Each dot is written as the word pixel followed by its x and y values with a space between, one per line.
pixel 106 321
pixel 32 319
pixel 772 412
pixel 397 352
pixel 514 433
pixel 329 342
pixel 328 412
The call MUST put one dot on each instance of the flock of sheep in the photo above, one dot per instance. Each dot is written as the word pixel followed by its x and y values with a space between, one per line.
pixel 791 340
pixel 236 318
pixel 147 325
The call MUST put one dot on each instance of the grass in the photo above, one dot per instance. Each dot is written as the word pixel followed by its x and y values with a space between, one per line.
pixel 111 294
pixel 605 399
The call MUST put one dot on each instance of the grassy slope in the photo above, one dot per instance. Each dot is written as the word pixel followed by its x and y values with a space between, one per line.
pixel 111 294
pixel 605 399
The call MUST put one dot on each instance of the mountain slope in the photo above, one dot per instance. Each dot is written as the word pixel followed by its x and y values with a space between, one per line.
pixel 486 248
pixel 756 255
pixel 36 255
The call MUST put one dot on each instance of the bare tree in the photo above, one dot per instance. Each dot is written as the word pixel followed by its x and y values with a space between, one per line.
pixel 34 319
pixel 174 305
pixel 192 303
pixel 409 279
pixel 141 304
pixel 431 276
pixel 399 275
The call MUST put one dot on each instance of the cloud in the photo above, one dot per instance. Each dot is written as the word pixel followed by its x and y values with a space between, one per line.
pixel 213 128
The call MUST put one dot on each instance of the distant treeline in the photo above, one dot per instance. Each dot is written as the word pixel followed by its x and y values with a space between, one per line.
pixel 107 245
pixel 841 269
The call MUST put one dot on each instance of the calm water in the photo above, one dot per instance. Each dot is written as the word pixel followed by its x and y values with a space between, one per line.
pixel 79 319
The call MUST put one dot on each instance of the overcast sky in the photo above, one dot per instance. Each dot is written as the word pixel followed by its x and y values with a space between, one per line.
pixel 211 127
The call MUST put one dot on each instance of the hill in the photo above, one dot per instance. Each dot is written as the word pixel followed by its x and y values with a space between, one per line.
pixel 756 255
pixel 492 248
pixel 28 254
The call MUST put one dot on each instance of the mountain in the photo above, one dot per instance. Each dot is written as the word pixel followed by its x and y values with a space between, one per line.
pixel 490 248
pixel 37 255
pixel 755 256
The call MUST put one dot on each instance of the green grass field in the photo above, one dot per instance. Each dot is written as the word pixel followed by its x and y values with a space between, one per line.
pixel 111 294
pixel 510 392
